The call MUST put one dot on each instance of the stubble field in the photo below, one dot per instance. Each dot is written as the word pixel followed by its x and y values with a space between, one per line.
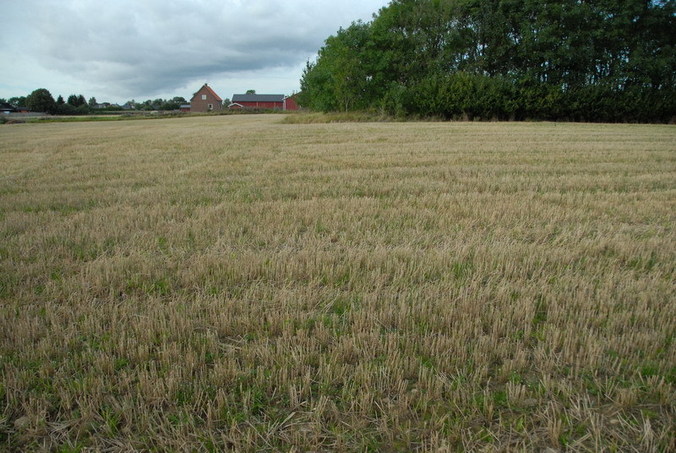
pixel 235 282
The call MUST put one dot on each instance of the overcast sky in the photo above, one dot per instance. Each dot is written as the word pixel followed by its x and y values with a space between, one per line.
pixel 117 50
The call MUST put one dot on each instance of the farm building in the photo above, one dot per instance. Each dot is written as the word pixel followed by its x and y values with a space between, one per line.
pixel 263 101
pixel 205 100
pixel 6 108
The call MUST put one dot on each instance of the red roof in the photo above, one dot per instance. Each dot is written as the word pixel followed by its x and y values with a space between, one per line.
pixel 212 92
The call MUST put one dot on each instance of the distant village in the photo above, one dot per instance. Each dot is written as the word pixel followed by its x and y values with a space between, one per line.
pixel 204 100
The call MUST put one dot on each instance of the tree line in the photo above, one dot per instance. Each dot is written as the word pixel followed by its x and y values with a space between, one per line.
pixel 41 100
pixel 606 60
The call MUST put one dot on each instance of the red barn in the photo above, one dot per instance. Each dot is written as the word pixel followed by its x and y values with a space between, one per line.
pixel 263 101
pixel 290 103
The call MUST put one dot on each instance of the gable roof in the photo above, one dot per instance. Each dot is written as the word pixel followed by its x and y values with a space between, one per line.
pixel 210 91
pixel 257 98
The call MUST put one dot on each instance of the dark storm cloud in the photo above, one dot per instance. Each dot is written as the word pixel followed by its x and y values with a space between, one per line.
pixel 154 46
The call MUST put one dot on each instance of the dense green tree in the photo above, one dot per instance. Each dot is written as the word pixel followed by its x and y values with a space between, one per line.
pixel 610 60
pixel 349 72
pixel 75 105
pixel 18 101
pixel 76 100
pixel 172 104
pixel 41 100
pixel 65 109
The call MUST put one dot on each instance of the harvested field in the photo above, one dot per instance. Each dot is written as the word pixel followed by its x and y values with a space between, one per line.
pixel 233 282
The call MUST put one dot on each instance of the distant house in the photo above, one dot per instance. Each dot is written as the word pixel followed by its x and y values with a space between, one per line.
pixel 205 100
pixel 106 105
pixel 6 108
pixel 184 108
pixel 263 101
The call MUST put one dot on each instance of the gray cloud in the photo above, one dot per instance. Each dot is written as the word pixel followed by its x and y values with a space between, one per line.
pixel 149 47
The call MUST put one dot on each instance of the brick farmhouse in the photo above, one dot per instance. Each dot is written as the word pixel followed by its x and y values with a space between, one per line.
pixel 205 100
